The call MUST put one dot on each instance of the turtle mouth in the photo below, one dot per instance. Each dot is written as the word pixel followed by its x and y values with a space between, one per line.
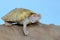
pixel 34 22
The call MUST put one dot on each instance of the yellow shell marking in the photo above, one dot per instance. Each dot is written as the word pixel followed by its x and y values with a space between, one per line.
pixel 17 14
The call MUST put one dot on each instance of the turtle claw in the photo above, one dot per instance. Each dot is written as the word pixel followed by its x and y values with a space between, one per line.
pixel 26 32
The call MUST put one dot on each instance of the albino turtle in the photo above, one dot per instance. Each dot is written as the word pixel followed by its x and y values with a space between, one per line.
pixel 21 16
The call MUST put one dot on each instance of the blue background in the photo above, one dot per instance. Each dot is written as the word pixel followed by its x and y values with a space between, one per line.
pixel 49 9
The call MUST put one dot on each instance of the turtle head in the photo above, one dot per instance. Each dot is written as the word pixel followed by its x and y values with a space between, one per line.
pixel 35 17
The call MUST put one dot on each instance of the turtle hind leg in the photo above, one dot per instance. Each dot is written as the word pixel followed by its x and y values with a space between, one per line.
pixel 8 24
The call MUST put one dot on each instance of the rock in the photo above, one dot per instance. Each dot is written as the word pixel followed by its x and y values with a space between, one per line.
pixel 37 31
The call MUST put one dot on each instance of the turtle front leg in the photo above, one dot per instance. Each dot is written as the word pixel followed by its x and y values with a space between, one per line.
pixel 8 24
pixel 25 29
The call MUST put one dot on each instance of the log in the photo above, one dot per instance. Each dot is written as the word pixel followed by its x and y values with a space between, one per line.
pixel 37 31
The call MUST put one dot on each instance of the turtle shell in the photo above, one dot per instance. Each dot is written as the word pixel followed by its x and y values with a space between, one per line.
pixel 17 14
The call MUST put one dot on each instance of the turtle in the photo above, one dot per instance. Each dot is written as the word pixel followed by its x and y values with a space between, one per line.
pixel 22 16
